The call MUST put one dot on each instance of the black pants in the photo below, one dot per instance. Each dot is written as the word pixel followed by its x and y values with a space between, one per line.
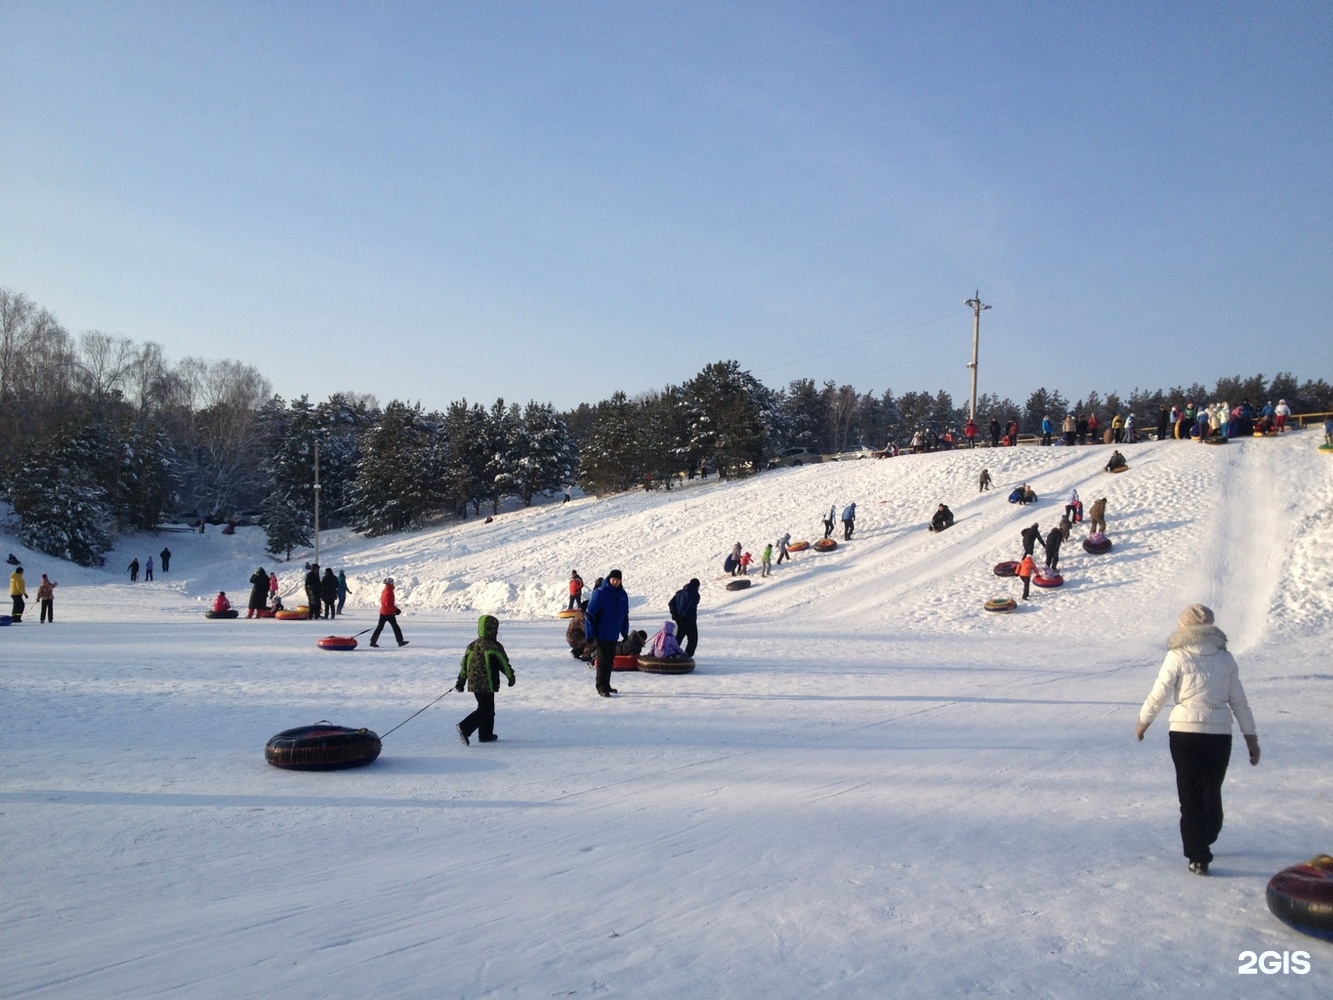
pixel 1027 584
pixel 48 610
pixel 18 607
pixel 481 721
pixel 329 602
pixel 1053 558
pixel 847 528
pixel 1201 761
pixel 392 621
pixel 688 636
pixel 606 655
pixel 312 602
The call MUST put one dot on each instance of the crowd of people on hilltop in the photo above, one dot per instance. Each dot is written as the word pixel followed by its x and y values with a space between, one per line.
pixel 1076 428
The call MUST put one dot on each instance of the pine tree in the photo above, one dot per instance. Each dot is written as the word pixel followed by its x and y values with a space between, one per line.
pixel 60 507
pixel 609 461
pixel 397 483
pixel 733 415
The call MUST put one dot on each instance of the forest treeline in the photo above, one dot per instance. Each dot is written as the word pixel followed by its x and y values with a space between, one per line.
pixel 101 435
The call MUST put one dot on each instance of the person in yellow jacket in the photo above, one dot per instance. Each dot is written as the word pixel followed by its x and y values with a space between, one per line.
pixel 18 591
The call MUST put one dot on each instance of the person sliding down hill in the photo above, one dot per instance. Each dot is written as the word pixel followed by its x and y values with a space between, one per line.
pixel 1117 461
pixel 943 519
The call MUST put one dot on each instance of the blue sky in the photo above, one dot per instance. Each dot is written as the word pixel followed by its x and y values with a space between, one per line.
pixel 553 201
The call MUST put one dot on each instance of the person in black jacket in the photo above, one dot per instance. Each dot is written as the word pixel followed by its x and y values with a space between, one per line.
pixel 1031 538
pixel 312 590
pixel 943 519
pixel 328 592
pixel 1053 539
pixel 258 592
pixel 684 608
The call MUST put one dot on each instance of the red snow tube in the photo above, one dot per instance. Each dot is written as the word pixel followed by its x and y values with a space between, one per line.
pixel 229 613
pixel 625 663
pixel 322 747
pixel 825 545
pixel 263 613
pixel 1054 580
pixel 1006 569
pixel 1302 897
pixel 798 546
pixel 1001 604
pixel 1097 543
pixel 676 665
pixel 336 642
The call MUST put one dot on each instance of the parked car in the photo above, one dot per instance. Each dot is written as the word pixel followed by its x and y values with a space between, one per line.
pixel 793 457
pixel 855 452
pixel 242 518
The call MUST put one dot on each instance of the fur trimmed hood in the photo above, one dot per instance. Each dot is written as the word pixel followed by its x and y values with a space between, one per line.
pixel 1204 638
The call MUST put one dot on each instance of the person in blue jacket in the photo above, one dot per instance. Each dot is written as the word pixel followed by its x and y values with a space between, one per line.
pixel 606 622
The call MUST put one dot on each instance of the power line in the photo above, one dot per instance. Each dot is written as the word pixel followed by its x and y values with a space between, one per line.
pixel 848 345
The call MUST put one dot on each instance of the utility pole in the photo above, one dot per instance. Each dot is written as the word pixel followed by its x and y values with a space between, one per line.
pixel 316 503
pixel 977 305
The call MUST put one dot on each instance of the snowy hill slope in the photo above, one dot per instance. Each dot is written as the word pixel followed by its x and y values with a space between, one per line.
pixel 870 787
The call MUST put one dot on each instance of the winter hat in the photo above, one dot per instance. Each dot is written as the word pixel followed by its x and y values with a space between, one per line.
pixel 1196 614
pixel 613 575
pixel 694 581
pixel 388 581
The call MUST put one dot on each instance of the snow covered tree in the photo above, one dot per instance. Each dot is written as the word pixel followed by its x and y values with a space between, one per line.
pixel 805 416
pixel 734 412
pixel 540 455
pixel 397 483
pixel 60 506
pixel 609 461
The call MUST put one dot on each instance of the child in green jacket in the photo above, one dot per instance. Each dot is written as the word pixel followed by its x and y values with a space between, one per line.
pixel 483 662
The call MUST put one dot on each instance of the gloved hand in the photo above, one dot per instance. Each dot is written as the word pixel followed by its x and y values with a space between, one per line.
pixel 460 685
pixel 1139 729
pixel 1252 742
pixel 511 681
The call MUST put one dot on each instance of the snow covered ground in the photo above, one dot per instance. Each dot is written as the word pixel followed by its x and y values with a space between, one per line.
pixel 869 788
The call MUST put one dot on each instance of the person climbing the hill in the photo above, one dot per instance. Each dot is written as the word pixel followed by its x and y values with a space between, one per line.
pixel 606 621
pixel 483 662
pixel 18 593
pixel 1071 503
pixel 1026 567
pixel 684 608
pixel 46 600
pixel 388 615
pixel 1031 536
pixel 985 482
pixel 848 521
pixel 258 593
pixel 943 518
pixel 766 560
pixel 746 560
pixel 1203 678
pixel 575 590
pixel 783 542
pixel 828 521
pixel 1054 538
pixel 733 561
pixel 1097 516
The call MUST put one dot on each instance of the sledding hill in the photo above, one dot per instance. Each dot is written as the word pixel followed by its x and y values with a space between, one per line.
pixel 1239 527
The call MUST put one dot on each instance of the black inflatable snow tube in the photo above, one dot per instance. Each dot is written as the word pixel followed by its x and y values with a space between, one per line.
pixel 322 747
pixel 741 584
pixel 676 665
pixel 1302 897
pixel 229 613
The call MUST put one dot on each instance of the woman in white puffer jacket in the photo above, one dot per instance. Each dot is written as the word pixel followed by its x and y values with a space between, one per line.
pixel 1205 681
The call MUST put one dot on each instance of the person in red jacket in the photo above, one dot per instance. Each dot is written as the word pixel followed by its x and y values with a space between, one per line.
pixel 1025 570
pixel 388 615
pixel 220 603
pixel 575 590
